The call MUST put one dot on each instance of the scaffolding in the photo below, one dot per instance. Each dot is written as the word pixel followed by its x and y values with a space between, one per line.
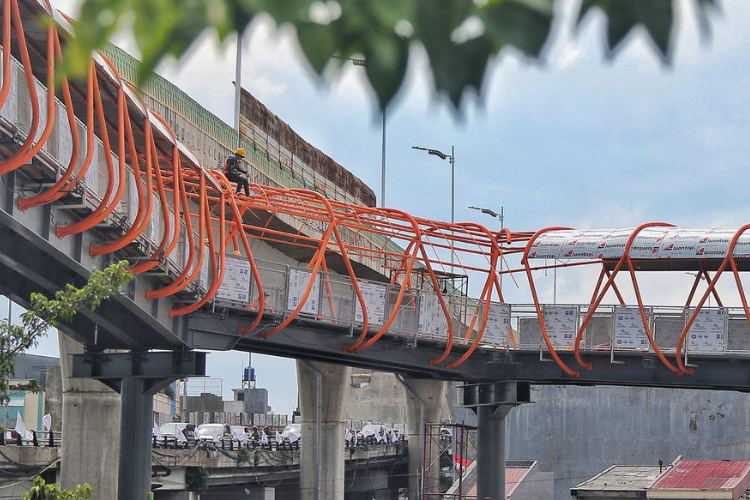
pixel 449 451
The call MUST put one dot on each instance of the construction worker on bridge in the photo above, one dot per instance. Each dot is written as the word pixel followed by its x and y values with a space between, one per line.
pixel 235 172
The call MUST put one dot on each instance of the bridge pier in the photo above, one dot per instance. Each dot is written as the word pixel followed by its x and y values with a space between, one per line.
pixel 424 403
pixel 492 402
pixel 324 393
pixel 137 376
pixel 90 420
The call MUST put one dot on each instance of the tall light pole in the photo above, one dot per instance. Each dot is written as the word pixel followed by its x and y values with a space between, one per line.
pixel 363 63
pixel 501 217
pixel 452 160
pixel 238 86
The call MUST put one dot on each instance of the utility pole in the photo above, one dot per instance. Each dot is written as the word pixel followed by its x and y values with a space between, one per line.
pixel 238 87
pixel 501 217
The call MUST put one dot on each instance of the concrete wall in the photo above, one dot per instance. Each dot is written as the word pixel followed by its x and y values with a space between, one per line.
pixel 577 432
pixel 377 398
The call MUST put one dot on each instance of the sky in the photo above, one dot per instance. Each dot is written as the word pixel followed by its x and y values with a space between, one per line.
pixel 578 140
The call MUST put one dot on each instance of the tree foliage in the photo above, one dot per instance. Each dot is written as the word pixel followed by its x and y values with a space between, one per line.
pixel 44 312
pixel 40 490
pixel 460 37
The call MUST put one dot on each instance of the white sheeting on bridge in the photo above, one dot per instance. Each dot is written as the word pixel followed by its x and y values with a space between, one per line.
pixel 650 243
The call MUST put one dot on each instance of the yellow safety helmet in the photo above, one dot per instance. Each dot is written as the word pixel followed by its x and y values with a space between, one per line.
pixel 240 152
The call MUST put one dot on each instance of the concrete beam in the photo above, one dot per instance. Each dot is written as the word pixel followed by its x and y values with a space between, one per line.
pixel 323 394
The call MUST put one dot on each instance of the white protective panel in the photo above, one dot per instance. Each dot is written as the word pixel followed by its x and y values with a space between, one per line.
pixel 235 286
pixel 116 185
pixel 561 323
pixel 629 330
pixel 707 331
pixel 64 137
pixel 296 286
pixel 91 179
pixel 184 247
pixel 155 226
pixel 498 324
pixel 649 243
pixel 374 295
pixel 431 317
pixel 203 276
pixel 132 197
pixel 10 110
pixel 41 96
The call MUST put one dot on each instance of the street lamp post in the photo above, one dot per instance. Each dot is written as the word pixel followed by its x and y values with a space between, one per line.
pixel 501 217
pixel 452 160
pixel 362 62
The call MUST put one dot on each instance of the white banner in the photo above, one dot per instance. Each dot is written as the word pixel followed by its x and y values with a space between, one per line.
pixel 205 269
pixel 498 324
pixel 549 245
pixel 650 243
pixel 374 295
pixel 431 317
pixel 681 244
pixel 561 323
pixel 298 280
pixel 707 331
pixel 235 286
pixel 629 330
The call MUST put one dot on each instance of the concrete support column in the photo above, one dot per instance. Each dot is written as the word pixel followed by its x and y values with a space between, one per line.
pixel 424 403
pixel 135 448
pixel 323 394
pixel 491 452
pixel 90 429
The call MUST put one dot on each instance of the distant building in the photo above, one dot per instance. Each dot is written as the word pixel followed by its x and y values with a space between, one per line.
pixel 681 480
pixel 255 399
pixel 24 402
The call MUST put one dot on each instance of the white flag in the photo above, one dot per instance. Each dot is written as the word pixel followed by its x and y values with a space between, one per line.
pixel 156 431
pixel 279 438
pixel 47 422
pixel 394 438
pixel 348 435
pixel 293 437
pixel 21 428
pixel 379 436
pixel 180 436
pixel 263 437
pixel 239 436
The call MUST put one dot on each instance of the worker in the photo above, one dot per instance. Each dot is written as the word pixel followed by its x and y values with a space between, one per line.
pixel 234 171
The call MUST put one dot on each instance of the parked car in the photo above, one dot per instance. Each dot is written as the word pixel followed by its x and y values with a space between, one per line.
pixel 212 432
pixel 170 429
pixel 289 429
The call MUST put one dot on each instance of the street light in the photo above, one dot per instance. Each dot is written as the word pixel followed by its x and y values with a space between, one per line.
pixel 363 63
pixel 501 217
pixel 452 159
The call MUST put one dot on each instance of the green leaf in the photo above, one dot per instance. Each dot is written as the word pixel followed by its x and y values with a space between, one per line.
pixel 524 24
pixel 656 16
pixel 461 68
pixel 317 43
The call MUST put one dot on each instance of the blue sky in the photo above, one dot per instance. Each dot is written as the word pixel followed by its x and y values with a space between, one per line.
pixel 578 140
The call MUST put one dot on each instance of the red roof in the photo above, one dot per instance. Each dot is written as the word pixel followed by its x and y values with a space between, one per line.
pixel 513 476
pixel 704 475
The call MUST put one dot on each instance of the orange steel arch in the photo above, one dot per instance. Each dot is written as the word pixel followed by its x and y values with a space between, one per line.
pixel 402 245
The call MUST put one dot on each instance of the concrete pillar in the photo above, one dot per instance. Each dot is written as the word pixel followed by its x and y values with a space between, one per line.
pixel 90 428
pixel 135 447
pixel 424 402
pixel 323 395
pixel 491 452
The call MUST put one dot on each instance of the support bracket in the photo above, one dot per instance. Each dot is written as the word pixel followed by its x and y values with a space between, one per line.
pixel 159 369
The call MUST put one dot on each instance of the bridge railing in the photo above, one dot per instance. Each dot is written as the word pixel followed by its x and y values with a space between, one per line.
pixel 615 328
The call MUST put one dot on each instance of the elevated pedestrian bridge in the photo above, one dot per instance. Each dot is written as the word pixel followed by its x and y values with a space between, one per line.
pixel 91 176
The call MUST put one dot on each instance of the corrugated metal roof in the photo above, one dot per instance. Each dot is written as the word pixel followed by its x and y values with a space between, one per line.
pixel 621 478
pixel 705 475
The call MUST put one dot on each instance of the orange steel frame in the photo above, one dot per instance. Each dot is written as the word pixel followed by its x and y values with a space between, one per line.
pixel 195 195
